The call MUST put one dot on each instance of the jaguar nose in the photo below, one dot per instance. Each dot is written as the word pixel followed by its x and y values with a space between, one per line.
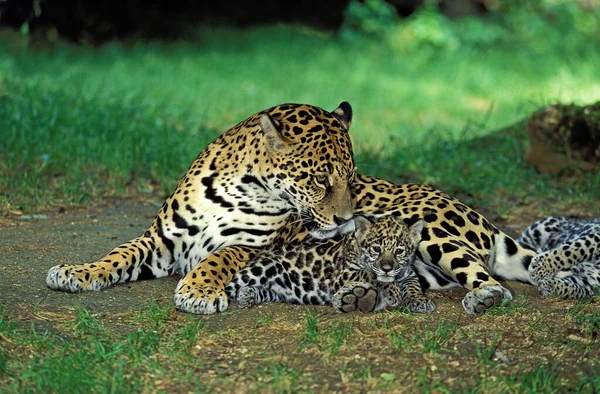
pixel 338 220
pixel 386 266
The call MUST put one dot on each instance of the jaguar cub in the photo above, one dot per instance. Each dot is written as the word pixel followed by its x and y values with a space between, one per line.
pixel 568 261
pixel 367 270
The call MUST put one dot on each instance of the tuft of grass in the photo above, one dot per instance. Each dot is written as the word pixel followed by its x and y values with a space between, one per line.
pixel 543 379
pixel 263 319
pixel 520 304
pixel 430 338
pixel 189 332
pixel 7 326
pixel 426 383
pixel 485 353
pixel 156 315
pixel 590 384
pixel 87 324
pixel 588 323
pixel 279 377
pixel 327 337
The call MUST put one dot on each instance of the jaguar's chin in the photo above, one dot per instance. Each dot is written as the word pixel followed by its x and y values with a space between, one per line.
pixel 329 231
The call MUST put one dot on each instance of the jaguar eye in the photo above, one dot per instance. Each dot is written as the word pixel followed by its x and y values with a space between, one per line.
pixel 322 180
pixel 375 251
pixel 400 251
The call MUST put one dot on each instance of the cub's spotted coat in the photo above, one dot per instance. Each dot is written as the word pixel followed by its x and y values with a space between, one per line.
pixel 367 270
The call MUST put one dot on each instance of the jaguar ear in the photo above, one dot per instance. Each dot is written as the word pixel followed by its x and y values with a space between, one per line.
pixel 344 114
pixel 362 224
pixel 415 231
pixel 274 138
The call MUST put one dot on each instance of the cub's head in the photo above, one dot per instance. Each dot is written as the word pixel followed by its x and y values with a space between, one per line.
pixel 309 163
pixel 387 246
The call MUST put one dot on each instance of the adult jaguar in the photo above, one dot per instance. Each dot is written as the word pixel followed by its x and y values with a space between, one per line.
pixel 293 158
pixel 234 198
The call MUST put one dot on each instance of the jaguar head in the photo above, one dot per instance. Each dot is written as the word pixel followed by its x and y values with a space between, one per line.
pixel 312 164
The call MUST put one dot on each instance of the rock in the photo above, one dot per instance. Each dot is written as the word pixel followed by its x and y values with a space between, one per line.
pixel 563 138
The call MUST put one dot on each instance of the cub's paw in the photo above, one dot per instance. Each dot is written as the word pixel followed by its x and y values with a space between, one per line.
pixel 362 297
pixel 421 305
pixel 541 268
pixel 480 299
pixel 202 301
pixel 76 278
pixel 546 287
pixel 247 296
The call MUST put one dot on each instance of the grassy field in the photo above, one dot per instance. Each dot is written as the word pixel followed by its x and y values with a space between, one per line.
pixel 291 349
pixel 80 123
pixel 435 102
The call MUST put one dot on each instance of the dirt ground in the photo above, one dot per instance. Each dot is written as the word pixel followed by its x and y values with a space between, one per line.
pixel 532 333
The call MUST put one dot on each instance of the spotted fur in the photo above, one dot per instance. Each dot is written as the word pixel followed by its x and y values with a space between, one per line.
pixel 295 159
pixel 568 261
pixel 367 270
pixel 236 197
pixel 459 247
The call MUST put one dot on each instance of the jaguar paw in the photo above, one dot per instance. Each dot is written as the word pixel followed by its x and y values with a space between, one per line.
pixel 76 278
pixel 546 287
pixel 247 296
pixel 361 297
pixel 541 268
pixel 480 299
pixel 421 305
pixel 201 301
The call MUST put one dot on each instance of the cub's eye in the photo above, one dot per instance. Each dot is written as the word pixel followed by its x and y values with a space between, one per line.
pixel 374 251
pixel 322 180
pixel 400 251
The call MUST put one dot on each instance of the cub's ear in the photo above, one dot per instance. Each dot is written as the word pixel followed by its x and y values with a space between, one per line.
pixel 416 230
pixel 362 224
pixel 344 114
pixel 274 138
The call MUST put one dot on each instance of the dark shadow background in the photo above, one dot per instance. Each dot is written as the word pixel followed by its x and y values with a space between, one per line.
pixel 97 21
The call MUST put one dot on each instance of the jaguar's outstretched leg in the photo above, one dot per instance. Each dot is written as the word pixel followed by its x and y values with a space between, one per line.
pixel 202 290
pixel 137 259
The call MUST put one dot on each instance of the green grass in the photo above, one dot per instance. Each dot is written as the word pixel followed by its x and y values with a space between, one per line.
pixel 87 357
pixel 429 338
pixel 588 323
pixel 141 351
pixel 327 337
pixel 520 304
pixel 81 123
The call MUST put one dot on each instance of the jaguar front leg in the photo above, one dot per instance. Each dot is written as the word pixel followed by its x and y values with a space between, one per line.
pixel 139 259
pixel 202 290
pixel 413 297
